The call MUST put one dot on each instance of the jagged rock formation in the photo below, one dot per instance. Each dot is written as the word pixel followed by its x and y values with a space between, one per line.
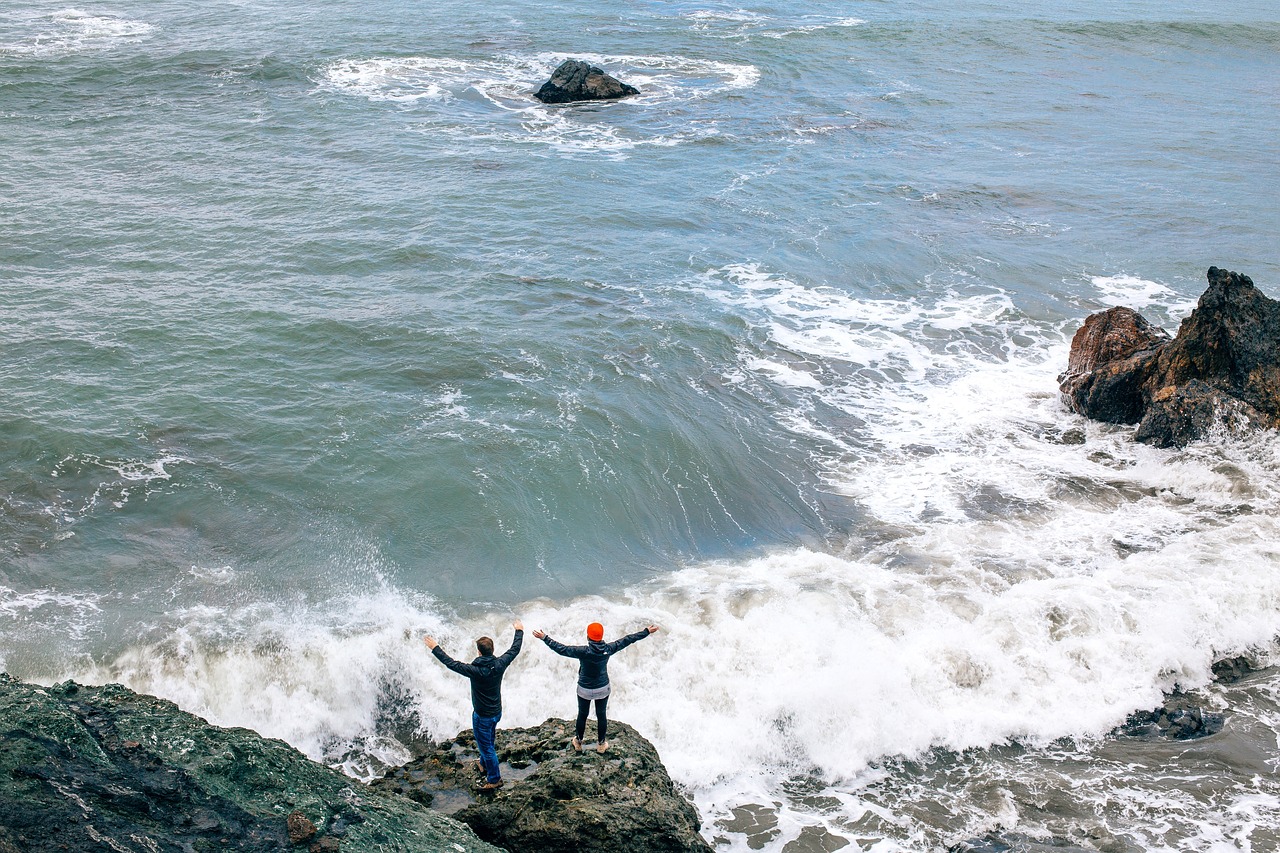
pixel 557 800
pixel 576 80
pixel 1222 371
pixel 104 770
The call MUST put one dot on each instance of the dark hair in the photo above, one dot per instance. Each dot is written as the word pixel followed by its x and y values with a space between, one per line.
pixel 485 645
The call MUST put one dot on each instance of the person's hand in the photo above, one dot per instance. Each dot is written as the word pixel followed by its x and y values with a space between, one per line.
pixel 518 625
pixel 653 629
pixel 431 642
pixel 539 634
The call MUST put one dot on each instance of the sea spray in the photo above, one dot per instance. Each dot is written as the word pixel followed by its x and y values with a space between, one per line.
pixel 793 665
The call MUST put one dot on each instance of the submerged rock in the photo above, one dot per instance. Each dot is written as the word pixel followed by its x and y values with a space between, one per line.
pixel 576 80
pixel 1221 371
pixel 1179 718
pixel 106 769
pixel 557 800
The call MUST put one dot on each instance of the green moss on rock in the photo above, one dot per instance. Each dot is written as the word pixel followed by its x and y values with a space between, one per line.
pixel 106 769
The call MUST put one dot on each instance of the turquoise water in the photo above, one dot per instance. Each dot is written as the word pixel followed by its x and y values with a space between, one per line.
pixel 319 332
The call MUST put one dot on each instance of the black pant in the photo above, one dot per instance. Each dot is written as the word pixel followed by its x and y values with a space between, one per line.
pixel 602 721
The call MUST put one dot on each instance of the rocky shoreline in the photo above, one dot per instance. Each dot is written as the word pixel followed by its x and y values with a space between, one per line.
pixel 93 769
pixel 106 769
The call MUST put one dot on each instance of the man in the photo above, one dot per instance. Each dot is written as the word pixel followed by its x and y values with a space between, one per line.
pixel 485 673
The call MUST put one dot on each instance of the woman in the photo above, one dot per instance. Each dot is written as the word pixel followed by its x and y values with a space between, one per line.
pixel 593 675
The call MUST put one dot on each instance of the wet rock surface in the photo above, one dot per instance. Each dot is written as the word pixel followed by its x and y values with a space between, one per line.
pixel 1105 374
pixel 556 800
pixel 1220 373
pixel 576 80
pixel 1180 718
pixel 92 769
pixel 1231 670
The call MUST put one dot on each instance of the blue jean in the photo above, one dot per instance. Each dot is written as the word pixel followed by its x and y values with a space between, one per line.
pixel 486 729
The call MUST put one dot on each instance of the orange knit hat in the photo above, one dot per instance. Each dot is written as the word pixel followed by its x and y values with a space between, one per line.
pixel 595 631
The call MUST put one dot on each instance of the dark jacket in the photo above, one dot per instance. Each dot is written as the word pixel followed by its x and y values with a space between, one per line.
pixel 593 658
pixel 485 673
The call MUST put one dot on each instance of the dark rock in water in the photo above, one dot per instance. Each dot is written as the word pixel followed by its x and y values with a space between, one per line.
pixel 557 800
pixel 576 80
pixel 1231 670
pixel 106 769
pixel 1179 718
pixel 1221 372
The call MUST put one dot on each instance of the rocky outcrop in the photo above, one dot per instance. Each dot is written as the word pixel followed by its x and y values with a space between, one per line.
pixel 576 80
pixel 557 800
pixel 1105 371
pixel 1231 670
pixel 1182 716
pixel 1179 718
pixel 103 769
pixel 1221 372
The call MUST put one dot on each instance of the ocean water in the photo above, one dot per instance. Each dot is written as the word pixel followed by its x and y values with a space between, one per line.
pixel 319 334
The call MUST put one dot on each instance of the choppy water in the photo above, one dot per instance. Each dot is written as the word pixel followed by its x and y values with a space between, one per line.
pixel 319 333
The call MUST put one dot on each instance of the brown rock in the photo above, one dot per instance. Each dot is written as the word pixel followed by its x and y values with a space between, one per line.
pixel 1221 372
pixel 328 844
pixel 1105 370
pixel 301 830
pixel 1113 334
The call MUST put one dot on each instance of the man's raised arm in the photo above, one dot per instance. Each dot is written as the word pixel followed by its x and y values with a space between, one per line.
pixel 510 654
pixel 442 656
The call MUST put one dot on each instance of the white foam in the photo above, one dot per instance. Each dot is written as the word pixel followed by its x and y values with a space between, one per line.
pixel 71 31
pixel 219 575
pixel 47 619
pixel 403 80
pixel 115 488
pixel 451 92
pixel 1024 571
pixel 787 665
pixel 1131 291
pixel 799 27
pixel 743 24
pixel 145 471
pixel 509 81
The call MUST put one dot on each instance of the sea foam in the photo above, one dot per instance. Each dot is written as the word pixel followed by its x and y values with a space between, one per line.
pixel 491 100
pixel 69 31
